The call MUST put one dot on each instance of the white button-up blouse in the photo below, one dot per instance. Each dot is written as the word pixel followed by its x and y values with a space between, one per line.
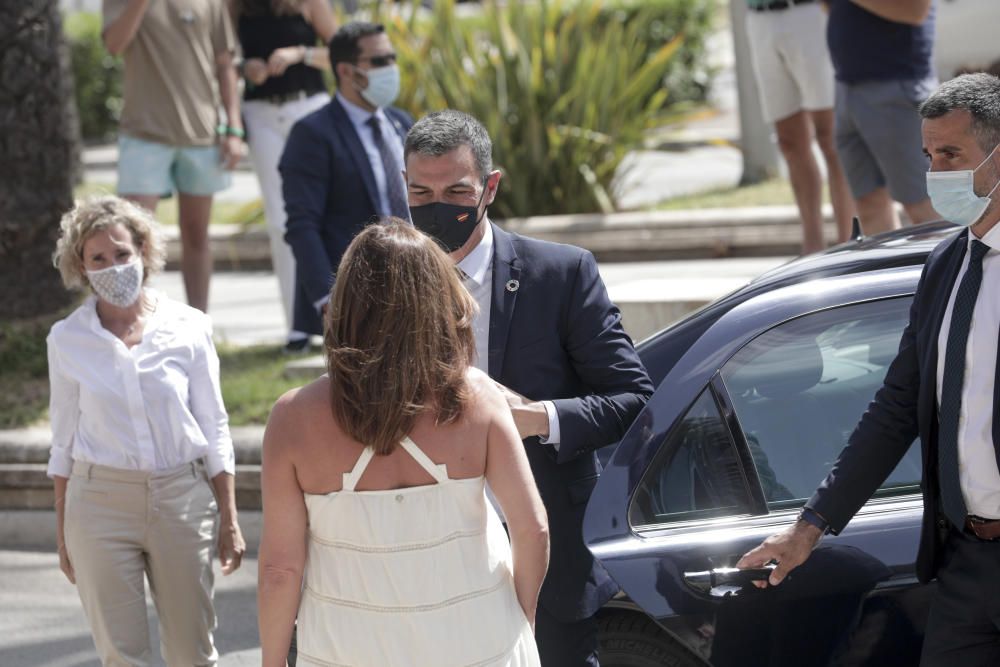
pixel 151 407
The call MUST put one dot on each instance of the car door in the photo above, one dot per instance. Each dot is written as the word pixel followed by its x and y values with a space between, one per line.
pixel 735 467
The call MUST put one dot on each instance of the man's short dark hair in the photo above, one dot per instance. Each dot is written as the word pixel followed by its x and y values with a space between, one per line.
pixel 442 132
pixel 979 94
pixel 344 44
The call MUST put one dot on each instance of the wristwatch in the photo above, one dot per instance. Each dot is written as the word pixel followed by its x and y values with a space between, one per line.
pixel 810 516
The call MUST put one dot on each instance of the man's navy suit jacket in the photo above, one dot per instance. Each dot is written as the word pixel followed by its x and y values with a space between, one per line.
pixel 555 335
pixel 905 407
pixel 330 195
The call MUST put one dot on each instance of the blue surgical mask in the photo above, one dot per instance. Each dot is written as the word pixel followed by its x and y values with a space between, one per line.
pixel 383 86
pixel 954 197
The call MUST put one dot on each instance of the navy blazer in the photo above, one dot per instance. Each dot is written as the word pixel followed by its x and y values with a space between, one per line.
pixel 555 335
pixel 330 195
pixel 905 407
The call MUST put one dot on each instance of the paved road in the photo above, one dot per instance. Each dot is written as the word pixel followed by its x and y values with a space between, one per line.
pixel 42 623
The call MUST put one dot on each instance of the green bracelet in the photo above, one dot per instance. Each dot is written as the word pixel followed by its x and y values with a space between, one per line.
pixel 222 129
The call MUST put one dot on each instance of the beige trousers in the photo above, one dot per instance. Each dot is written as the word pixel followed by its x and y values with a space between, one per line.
pixel 123 524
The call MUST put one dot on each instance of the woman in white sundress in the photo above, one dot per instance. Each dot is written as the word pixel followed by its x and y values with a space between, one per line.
pixel 377 532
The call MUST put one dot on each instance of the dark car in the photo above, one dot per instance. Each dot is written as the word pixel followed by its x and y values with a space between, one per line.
pixel 757 395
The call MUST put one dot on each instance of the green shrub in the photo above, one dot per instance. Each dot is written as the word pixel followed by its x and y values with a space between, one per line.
pixel 97 77
pixel 565 89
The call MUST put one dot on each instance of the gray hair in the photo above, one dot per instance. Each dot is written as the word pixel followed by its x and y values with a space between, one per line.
pixel 94 214
pixel 979 94
pixel 442 132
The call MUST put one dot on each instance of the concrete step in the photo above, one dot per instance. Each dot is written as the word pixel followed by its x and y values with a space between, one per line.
pixel 617 237
pixel 25 486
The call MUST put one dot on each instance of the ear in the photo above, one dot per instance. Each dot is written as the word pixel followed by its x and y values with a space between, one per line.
pixel 492 185
pixel 345 72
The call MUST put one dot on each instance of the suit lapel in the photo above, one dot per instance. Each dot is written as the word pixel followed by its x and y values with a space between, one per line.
pixel 345 128
pixel 506 282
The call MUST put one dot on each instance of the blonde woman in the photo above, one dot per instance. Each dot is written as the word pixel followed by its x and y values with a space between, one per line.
pixel 377 532
pixel 141 455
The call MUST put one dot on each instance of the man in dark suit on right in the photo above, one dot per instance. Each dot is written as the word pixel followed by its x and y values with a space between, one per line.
pixel 942 387
pixel 343 165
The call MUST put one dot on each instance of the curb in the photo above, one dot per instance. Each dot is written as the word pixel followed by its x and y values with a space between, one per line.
pixel 615 237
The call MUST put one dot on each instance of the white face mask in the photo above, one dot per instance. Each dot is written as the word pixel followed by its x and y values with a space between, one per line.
pixel 954 197
pixel 119 285
pixel 383 86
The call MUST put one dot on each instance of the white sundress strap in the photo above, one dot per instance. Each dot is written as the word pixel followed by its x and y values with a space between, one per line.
pixel 351 478
pixel 438 472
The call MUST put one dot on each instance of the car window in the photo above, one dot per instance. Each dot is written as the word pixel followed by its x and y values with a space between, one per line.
pixel 696 474
pixel 799 389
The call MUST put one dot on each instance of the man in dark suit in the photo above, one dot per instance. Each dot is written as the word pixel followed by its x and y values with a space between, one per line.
pixel 342 165
pixel 549 335
pixel 942 387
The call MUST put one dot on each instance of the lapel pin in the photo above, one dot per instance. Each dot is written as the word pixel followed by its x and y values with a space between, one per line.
pixel 512 285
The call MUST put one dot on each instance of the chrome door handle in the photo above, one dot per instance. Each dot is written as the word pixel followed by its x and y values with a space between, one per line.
pixel 723 581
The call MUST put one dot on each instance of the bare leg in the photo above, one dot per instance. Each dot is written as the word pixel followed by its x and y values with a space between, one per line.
pixel 877 212
pixel 840 193
pixel 921 211
pixel 148 202
pixel 196 260
pixel 795 142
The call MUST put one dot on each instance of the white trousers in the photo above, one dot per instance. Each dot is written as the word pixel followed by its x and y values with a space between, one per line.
pixel 268 126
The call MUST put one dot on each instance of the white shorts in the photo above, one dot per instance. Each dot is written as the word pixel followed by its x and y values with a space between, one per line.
pixel 790 57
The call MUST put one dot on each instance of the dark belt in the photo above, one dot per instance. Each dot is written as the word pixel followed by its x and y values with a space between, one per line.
pixel 778 5
pixel 984 529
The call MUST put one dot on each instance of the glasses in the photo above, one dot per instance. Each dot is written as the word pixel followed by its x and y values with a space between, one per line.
pixel 380 61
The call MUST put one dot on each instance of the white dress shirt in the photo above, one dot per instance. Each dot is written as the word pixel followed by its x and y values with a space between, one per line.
pixel 150 407
pixel 360 117
pixel 977 463
pixel 478 268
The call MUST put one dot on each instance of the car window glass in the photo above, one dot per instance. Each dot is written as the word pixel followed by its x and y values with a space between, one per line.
pixel 799 390
pixel 696 473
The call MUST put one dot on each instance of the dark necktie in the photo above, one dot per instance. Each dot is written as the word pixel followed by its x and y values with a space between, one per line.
pixel 952 383
pixel 394 187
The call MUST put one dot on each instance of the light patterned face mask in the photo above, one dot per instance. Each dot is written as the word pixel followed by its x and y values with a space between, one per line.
pixel 119 285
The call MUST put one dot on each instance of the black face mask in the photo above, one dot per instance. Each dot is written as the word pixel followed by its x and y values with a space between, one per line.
pixel 448 224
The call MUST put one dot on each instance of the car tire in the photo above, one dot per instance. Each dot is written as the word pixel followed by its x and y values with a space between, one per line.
pixel 633 640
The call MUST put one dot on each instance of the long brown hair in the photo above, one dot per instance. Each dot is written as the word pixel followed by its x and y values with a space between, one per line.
pixel 398 335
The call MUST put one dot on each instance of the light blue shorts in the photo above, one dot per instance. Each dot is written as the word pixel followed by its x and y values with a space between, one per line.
pixel 151 168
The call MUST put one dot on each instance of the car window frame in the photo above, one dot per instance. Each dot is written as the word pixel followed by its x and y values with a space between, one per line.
pixel 876 504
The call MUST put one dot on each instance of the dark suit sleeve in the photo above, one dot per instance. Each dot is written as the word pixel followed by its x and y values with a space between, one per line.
pixel 605 360
pixel 886 430
pixel 305 182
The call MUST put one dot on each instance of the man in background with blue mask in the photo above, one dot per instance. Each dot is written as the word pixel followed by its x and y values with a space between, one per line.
pixel 343 165
pixel 942 387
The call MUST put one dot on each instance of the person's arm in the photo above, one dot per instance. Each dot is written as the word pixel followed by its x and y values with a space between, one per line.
pixel 305 184
pixel 283 541
pixel 319 15
pixel 232 140
pixel 911 12
pixel 65 564
pixel 209 410
pixel 64 415
pixel 509 476
pixel 119 31
pixel 606 362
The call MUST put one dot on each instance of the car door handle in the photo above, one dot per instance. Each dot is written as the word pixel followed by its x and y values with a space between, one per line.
pixel 723 581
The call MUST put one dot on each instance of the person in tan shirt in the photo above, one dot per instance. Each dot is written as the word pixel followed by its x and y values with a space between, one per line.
pixel 179 71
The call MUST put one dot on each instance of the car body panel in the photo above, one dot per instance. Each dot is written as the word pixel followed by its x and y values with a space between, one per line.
pixel 857 596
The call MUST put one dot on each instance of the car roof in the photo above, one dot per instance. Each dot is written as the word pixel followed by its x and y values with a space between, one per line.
pixel 905 247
